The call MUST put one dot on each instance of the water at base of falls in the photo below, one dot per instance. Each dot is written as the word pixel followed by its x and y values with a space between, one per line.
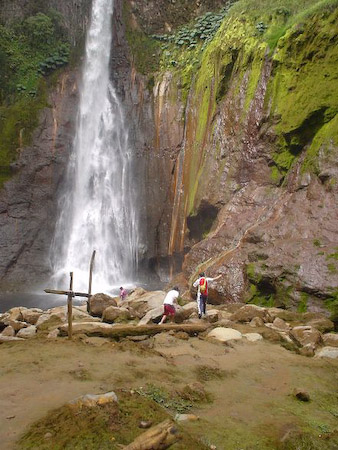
pixel 97 209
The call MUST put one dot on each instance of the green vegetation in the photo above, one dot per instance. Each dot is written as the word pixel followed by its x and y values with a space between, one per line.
pixel 332 305
pixel 202 30
pixel 108 426
pixel 29 50
pixel 302 305
pixel 144 49
pixel 173 402
pixel 207 373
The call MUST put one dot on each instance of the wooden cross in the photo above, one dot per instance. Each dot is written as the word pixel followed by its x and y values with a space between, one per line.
pixel 70 294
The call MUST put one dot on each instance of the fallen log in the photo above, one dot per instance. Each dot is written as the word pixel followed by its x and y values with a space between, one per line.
pixel 118 331
pixel 158 437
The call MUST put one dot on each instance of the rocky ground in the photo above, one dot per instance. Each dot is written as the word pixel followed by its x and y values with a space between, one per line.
pixel 247 378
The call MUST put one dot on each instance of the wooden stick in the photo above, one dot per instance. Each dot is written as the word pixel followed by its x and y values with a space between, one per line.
pixel 73 294
pixel 119 331
pixel 160 436
pixel 70 308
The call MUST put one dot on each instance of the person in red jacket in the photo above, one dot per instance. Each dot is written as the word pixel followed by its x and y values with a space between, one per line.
pixel 202 292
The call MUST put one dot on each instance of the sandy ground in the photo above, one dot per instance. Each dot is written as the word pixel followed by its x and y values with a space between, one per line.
pixel 253 400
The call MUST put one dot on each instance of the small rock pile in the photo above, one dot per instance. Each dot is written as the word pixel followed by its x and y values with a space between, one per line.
pixel 310 334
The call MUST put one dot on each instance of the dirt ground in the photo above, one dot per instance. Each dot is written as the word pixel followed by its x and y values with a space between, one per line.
pixel 252 407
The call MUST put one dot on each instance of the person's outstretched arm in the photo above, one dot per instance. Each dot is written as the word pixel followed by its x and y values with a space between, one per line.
pixel 213 279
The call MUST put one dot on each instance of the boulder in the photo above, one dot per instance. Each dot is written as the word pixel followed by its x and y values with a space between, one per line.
pixel 142 301
pixel 308 350
pixel 115 314
pixel 253 337
pixel 226 323
pixel 135 294
pixel 330 339
pixel 304 335
pixel 280 324
pixel 321 323
pixel 31 315
pixel 46 321
pixel 248 312
pixel 285 314
pixel 272 335
pixel 17 324
pixel 256 322
pixel 224 334
pixel 53 334
pixel 99 302
pixel 8 331
pixel 212 315
pixel 15 313
pixel 189 309
pixel 327 352
pixel 182 335
pixel 152 316
pixel 27 332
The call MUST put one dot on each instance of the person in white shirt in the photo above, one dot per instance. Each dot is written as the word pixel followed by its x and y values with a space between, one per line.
pixel 202 292
pixel 168 304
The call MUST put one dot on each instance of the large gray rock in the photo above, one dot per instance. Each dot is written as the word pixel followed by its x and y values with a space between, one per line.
pixel 27 332
pixel 31 315
pixel 99 302
pixel 248 312
pixel 327 352
pixel 304 335
pixel 8 331
pixel 330 339
pixel 49 320
pixel 142 301
pixel 224 334
pixel 256 322
pixel 320 322
pixel 152 316
pixel 53 334
pixel 14 313
pixel 17 324
pixel 56 316
pixel 253 337
pixel 213 315
pixel 115 314
pixel 280 324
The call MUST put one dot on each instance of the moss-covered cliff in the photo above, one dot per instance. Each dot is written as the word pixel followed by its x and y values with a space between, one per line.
pixel 254 183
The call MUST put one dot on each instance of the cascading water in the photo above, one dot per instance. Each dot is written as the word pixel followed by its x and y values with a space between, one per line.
pixel 97 208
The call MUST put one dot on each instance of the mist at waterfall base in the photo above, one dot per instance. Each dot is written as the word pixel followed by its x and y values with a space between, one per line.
pixel 98 206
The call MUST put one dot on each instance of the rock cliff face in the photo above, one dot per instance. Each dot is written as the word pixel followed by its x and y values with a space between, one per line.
pixel 237 155
pixel 28 202
pixel 247 159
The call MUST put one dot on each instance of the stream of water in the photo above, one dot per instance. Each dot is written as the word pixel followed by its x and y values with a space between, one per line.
pixel 97 209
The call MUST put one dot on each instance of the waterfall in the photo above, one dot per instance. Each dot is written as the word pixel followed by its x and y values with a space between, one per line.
pixel 97 209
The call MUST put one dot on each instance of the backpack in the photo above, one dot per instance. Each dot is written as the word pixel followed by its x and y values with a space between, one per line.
pixel 203 286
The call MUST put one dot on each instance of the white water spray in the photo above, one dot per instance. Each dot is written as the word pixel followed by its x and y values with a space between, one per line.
pixel 97 208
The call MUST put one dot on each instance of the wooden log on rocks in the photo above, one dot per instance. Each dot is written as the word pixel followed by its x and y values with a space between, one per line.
pixel 118 331
pixel 158 437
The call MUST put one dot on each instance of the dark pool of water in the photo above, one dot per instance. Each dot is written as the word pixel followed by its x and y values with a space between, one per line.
pixel 43 301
